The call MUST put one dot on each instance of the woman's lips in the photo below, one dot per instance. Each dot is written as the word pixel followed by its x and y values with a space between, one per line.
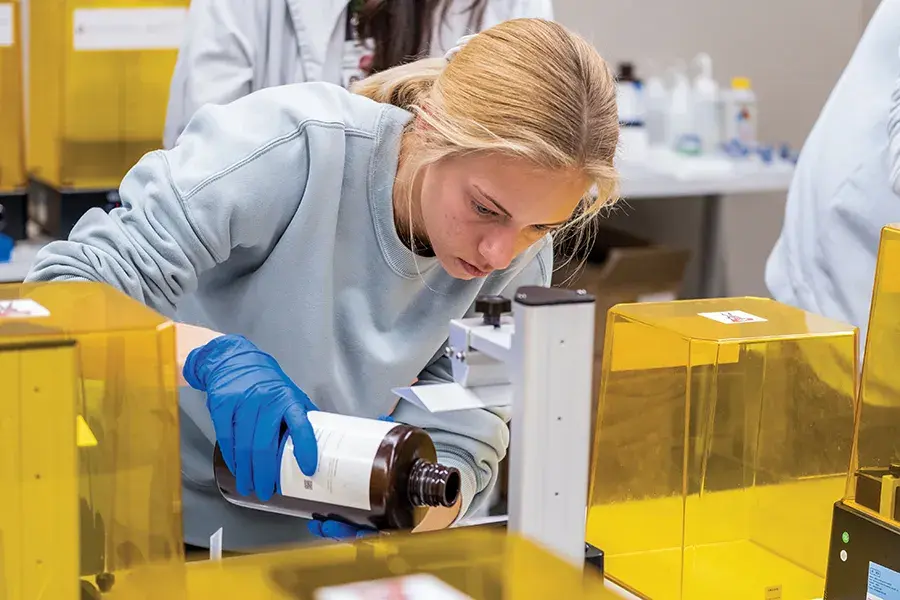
pixel 472 269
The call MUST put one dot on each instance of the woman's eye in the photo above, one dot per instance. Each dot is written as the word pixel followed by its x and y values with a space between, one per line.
pixel 484 211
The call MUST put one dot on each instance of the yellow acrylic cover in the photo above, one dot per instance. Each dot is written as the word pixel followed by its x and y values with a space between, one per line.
pixel 875 470
pixel 459 564
pixel 99 81
pixel 12 126
pixel 722 433
pixel 89 445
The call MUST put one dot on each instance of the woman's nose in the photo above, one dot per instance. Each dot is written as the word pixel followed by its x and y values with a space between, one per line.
pixel 499 248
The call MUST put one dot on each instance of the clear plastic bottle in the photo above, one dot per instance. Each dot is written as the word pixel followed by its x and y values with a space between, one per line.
pixel 373 474
pixel 706 109
pixel 680 122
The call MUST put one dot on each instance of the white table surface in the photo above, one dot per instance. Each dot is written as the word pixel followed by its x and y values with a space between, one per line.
pixel 669 177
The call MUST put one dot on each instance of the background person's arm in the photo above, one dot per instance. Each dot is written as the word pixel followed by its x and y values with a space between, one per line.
pixel 216 60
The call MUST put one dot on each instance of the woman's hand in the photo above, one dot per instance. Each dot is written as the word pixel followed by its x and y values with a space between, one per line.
pixel 249 397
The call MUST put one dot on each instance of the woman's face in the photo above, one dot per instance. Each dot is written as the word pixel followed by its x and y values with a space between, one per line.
pixel 481 211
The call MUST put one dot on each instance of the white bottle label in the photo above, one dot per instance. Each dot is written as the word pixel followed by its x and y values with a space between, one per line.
pixel 7 27
pixel 128 28
pixel 347 448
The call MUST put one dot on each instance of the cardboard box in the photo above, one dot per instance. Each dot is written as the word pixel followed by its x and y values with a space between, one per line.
pixel 621 267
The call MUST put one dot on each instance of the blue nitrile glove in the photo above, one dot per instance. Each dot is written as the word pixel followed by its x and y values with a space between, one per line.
pixel 6 248
pixel 336 529
pixel 249 398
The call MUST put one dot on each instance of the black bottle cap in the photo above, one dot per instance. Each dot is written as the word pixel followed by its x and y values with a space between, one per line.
pixel 492 307
pixel 626 72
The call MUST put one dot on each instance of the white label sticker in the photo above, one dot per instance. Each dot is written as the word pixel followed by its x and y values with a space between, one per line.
pixel 7 29
pixel 411 587
pixel 22 309
pixel 347 448
pixel 657 297
pixel 732 317
pixel 128 28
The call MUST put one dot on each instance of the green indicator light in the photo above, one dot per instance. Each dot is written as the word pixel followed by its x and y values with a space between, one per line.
pixel 846 537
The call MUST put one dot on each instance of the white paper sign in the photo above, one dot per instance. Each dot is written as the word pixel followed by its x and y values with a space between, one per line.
pixel 411 587
pixel 733 317
pixel 7 31
pixel 447 397
pixel 128 28
pixel 22 309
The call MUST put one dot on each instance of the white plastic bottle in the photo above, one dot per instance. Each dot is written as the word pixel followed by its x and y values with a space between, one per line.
pixel 741 116
pixel 656 104
pixel 706 110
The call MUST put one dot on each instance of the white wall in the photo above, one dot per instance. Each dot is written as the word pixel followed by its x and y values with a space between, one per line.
pixel 793 51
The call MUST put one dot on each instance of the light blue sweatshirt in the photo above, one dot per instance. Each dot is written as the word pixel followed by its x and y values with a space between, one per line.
pixel 272 218
pixel 846 186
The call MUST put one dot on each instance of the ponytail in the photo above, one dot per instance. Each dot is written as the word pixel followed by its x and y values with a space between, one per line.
pixel 405 86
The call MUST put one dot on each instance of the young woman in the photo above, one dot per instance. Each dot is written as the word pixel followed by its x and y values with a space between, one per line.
pixel 235 47
pixel 332 235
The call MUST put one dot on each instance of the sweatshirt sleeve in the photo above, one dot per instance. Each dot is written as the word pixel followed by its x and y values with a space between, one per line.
pixel 234 180
pixel 473 441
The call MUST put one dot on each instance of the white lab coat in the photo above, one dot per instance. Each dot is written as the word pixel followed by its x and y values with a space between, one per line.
pixel 234 47
pixel 846 186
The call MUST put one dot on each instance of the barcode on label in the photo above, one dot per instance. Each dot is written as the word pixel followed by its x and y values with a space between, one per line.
pixel 307 484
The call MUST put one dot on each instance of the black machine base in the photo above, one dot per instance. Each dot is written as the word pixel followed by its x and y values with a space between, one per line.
pixel 863 558
pixel 13 214
pixel 592 556
pixel 57 211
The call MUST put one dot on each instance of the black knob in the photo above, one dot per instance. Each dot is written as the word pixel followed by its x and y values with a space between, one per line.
pixel 894 469
pixel 492 307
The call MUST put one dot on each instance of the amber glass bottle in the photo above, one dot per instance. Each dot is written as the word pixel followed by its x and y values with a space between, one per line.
pixel 371 473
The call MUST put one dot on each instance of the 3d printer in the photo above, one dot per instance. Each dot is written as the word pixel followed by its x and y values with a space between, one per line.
pixel 723 434
pixel 89 450
pixel 864 557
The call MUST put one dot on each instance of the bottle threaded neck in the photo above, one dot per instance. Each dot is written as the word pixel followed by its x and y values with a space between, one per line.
pixel 432 484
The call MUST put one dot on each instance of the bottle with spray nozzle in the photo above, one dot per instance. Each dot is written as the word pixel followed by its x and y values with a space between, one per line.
pixel 706 115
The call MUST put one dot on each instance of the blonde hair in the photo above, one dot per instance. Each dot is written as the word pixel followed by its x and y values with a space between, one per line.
pixel 526 87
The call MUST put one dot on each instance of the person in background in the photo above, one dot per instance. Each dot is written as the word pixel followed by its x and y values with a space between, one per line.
pixel 846 186
pixel 234 47
pixel 312 244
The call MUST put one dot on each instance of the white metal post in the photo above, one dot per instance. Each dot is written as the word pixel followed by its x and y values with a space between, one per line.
pixel 552 361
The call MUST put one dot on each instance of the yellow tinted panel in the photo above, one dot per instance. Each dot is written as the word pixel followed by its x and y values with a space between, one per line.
pixel 723 434
pixel 481 564
pixel 12 127
pixel 99 81
pixel 89 447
